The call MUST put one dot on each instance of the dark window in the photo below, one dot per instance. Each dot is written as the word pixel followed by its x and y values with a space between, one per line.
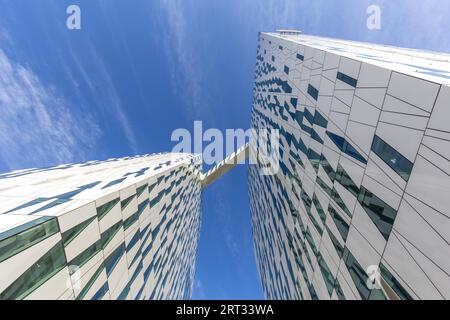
pixel 382 215
pixel 394 284
pixel 344 179
pixel 326 273
pixel 392 158
pixel 319 208
pixel 310 240
pixel 151 187
pixel 280 47
pixel 18 239
pixel 314 157
pixel 300 57
pixel 286 69
pixel 294 102
pixel 346 147
pixel 127 201
pixel 339 292
pixel 123 295
pixel 112 260
pixel 101 292
pixel 46 267
pixel 141 189
pixel 347 79
pixel 341 225
pixel 110 184
pixel 131 220
pixel 327 168
pixel 313 92
pixel 336 244
pixel 71 234
pixel 87 254
pixel 316 136
pixel 105 208
pixel 91 281
pixel 324 186
pixel 337 198
pixel 273 59
pixel 357 273
pixel 309 116
pixel 320 120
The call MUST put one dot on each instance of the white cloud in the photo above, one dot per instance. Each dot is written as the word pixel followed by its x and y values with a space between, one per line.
pixel 185 69
pixel 37 126
pixel 199 290
pixel 107 90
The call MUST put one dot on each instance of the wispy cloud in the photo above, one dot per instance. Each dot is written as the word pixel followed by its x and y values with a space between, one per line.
pixel 37 125
pixel 226 221
pixel 101 88
pixel 112 102
pixel 199 290
pixel 186 71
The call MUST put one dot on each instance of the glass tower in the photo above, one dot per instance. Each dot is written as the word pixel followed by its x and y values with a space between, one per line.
pixel 117 229
pixel 360 206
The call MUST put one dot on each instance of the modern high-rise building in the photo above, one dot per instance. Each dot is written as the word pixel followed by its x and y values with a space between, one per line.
pixel 117 229
pixel 360 208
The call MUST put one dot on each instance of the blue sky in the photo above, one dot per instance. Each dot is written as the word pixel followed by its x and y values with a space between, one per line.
pixel 139 69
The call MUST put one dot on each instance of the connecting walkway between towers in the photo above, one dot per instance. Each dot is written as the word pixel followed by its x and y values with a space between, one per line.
pixel 225 165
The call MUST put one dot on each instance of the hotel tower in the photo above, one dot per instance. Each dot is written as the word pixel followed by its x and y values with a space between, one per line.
pixel 360 205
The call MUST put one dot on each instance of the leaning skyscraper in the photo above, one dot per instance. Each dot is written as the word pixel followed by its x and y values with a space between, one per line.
pixel 116 229
pixel 360 206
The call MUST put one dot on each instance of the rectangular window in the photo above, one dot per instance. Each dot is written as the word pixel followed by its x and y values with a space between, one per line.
pixel 327 168
pixel 392 158
pixel 320 120
pixel 310 240
pixel 273 59
pixel 109 234
pixel 127 201
pixel 112 183
pixel 112 260
pixel 104 209
pixel 340 223
pixel 394 284
pixel 357 273
pixel 382 215
pixel 344 179
pixel 300 57
pixel 324 186
pixel 326 274
pixel 131 220
pixel 313 92
pixel 338 289
pixel 314 157
pixel 101 292
pixel 46 267
pixel 345 147
pixel 71 234
pixel 151 187
pixel 347 79
pixel 141 189
pixel 18 239
pixel 319 208
pixel 87 254
pixel 336 244
pixel 337 198
pixel 91 281
pixel 308 116
pixel 286 69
